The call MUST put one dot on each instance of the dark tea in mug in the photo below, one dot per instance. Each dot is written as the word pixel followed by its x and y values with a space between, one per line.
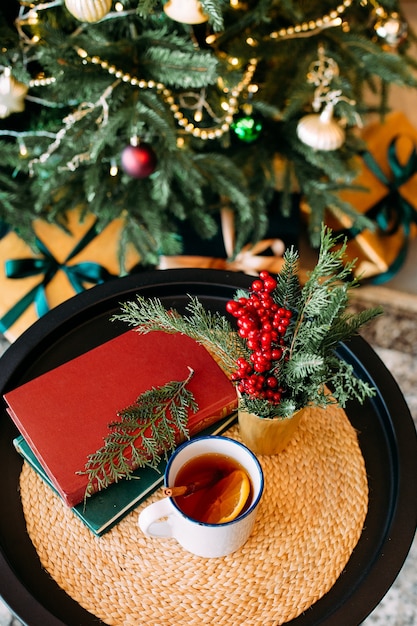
pixel 219 488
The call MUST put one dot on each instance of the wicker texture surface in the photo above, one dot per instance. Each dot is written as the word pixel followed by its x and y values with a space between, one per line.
pixel 310 519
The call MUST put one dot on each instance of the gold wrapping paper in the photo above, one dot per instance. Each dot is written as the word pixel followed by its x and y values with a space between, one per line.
pixel 381 251
pixel 101 250
pixel 250 259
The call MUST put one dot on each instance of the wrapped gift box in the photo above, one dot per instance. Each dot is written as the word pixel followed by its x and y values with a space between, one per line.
pixel 389 174
pixel 31 283
pixel 217 252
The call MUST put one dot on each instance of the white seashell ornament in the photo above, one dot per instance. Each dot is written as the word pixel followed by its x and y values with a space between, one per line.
pixel 320 131
pixel 185 11
pixel 88 10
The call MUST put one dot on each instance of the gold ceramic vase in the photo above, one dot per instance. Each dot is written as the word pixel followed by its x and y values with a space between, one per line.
pixel 267 436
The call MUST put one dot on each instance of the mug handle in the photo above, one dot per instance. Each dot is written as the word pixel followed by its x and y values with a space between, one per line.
pixel 150 521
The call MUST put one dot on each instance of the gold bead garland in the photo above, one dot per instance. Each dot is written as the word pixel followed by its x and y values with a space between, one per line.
pixel 303 29
pixel 186 125
pixel 330 19
pixel 42 81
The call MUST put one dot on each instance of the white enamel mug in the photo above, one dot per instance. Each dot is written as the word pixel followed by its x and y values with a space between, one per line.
pixel 165 519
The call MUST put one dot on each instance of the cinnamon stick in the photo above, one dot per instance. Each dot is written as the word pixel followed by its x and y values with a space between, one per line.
pixel 185 490
pixel 173 492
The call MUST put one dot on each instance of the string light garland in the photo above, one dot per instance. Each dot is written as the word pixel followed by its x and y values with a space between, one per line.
pixel 231 105
pixel 86 108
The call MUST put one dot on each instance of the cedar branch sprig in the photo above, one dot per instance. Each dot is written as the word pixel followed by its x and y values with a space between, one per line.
pixel 148 429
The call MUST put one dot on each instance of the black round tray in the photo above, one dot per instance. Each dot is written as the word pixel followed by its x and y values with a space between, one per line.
pixel 386 433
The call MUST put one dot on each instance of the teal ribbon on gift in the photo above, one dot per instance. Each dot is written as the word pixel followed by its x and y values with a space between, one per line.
pixel 78 275
pixel 394 211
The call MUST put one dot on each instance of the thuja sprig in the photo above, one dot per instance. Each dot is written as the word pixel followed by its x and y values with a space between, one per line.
pixel 149 428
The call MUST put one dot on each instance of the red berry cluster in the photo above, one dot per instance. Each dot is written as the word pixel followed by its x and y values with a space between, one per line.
pixel 263 324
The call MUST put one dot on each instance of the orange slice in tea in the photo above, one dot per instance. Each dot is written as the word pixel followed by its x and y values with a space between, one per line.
pixel 232 493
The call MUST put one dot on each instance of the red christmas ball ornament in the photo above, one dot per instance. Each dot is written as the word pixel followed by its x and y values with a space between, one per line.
pixel 138 161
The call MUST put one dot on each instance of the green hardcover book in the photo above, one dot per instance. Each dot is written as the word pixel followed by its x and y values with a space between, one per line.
pixel 107 507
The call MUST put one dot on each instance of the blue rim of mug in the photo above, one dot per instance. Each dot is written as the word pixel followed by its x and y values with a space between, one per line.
pixel 210 438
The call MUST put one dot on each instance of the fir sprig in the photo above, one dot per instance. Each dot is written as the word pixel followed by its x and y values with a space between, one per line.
pixel 320 324
pixel 287 291
pixel 212 330
pixel 148 429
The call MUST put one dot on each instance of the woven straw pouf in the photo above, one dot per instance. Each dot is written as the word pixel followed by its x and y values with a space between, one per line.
pixel 310 519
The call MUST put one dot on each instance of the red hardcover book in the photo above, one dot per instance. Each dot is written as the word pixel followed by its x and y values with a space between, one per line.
pixel 64 414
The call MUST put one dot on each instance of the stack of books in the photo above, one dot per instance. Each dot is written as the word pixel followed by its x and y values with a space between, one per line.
pixel 63 415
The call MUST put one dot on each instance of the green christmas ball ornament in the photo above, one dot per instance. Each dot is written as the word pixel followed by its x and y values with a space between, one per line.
pixel 247 128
